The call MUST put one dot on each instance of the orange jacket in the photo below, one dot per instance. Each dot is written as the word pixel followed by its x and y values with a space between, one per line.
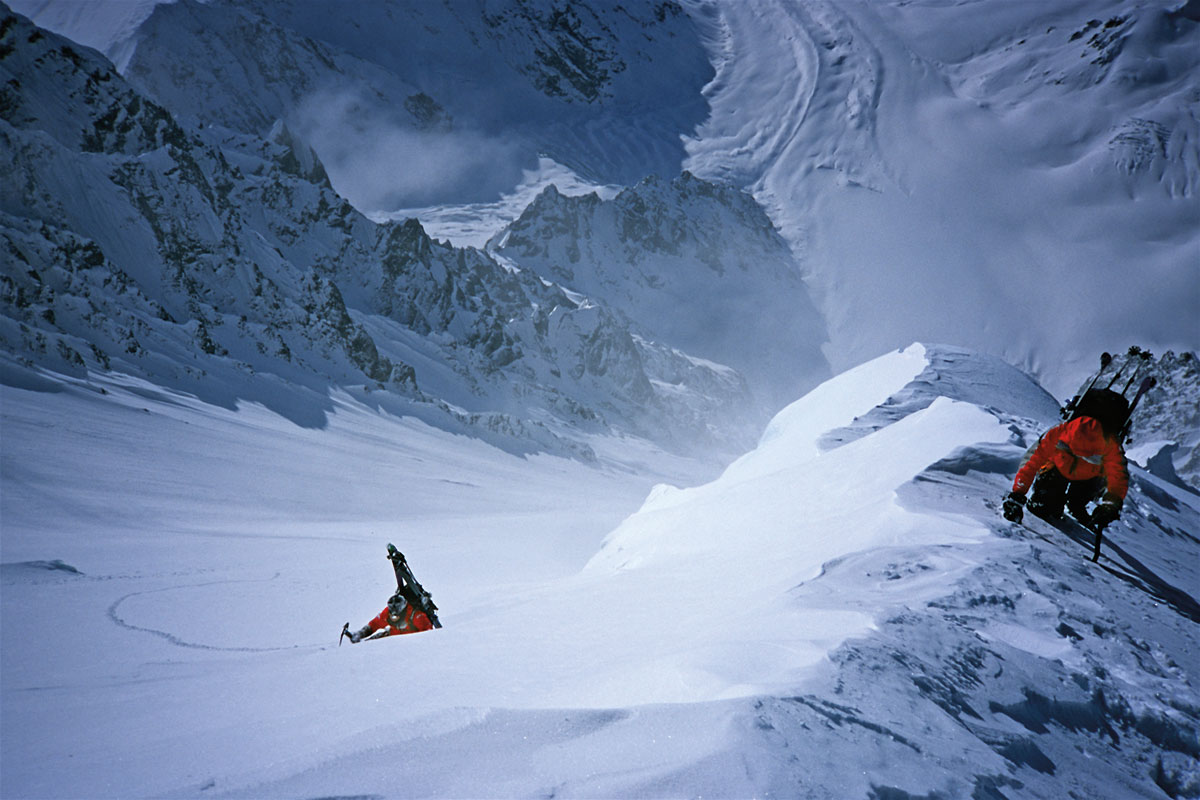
pixel 411 621
pixel 1080 451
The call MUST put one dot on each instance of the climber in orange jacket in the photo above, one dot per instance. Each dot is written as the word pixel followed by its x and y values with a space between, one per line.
pixel 1074 463
pixel 398 616
pixel 410 610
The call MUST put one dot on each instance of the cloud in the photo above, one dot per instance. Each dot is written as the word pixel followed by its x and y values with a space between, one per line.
pixel 383 159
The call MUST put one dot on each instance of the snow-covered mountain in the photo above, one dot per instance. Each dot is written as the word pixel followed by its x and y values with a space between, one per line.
pixel 1167 430
pixel 1020 178
pixel 225 264
pixel 841 613
pixel 663 246
pixel 423 102
pixel 940 170
pixel 280 285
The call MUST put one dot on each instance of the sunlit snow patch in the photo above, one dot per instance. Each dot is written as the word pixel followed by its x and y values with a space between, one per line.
pixel 717 564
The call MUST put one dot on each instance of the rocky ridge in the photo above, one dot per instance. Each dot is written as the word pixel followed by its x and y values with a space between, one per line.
pixel 226 265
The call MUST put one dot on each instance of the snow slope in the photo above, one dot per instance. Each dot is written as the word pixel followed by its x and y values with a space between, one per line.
pixel 1019 178
pixel 840 613
pixel 98 24
pixel 853 595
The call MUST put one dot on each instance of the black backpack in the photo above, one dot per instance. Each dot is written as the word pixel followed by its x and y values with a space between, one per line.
pixel 1107 407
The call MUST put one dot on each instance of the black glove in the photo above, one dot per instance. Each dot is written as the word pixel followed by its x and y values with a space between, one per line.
pixel 1105 514
pixel 1014 503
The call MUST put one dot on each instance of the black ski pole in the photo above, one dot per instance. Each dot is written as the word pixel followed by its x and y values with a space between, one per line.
pixel 345 633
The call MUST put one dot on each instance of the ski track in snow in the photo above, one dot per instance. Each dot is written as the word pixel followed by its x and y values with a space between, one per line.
pixel 180 642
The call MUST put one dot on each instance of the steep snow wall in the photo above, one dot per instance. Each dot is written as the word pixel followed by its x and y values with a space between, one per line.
pixel 1017 178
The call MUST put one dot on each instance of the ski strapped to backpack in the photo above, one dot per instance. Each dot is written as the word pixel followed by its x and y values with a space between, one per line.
pixel 1068 410
pixel 410 588
pixel 1146 385
pixel 1134 352
pixel 1110 407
